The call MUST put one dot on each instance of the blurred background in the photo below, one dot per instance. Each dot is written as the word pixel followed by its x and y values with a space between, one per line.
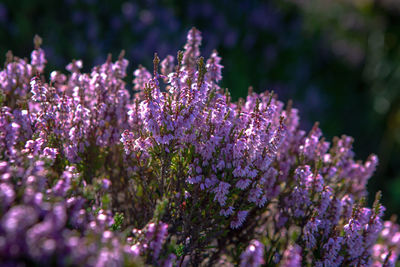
pixel 338 60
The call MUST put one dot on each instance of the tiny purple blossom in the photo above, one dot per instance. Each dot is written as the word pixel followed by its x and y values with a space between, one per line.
pixel 253 256
pixel 291 257
pixel 220 192
pixel 239 220
pixel 39 91
pixel 38 59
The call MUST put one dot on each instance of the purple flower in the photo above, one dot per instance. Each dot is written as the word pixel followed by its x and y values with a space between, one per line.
pixel 38 59
pixel 18 218
pixel 192 51
pixel 39 92
pixel 142 76
pixel 239 220
pixel 253 256
pixel 220 192
pixel 50 153
pixel 291 257
pixel 214 68
pixel 167 65
pixel 331 252
pixel 311 232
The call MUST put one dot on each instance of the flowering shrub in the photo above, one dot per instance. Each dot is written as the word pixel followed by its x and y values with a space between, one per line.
pixel 176 174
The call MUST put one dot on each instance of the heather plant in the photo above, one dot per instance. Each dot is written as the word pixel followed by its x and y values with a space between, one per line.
pixel 363 35
pixel 175 174
pixel 298 50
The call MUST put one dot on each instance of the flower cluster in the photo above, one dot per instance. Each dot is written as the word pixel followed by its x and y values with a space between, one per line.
pixel 176 174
